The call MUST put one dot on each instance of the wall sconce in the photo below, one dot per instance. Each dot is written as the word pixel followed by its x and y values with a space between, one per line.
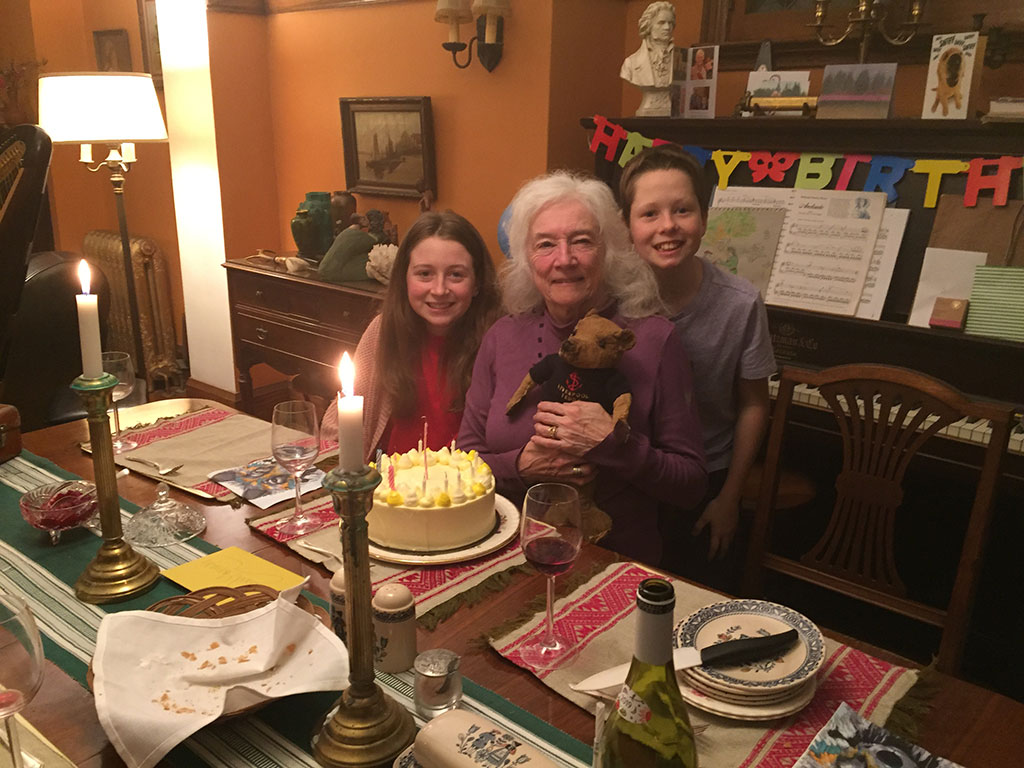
pixel 868 17
pixel 489 28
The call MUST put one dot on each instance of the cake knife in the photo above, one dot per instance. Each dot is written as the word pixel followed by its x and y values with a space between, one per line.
pixel 729 652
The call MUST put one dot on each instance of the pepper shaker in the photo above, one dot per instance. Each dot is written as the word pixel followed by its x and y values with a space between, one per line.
pixel 338 604
pixel 394 628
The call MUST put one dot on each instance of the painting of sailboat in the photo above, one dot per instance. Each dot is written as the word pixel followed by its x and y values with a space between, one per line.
pixel 388 145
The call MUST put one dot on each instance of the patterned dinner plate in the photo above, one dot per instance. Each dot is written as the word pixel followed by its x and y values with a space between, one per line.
pixel 734 619
pixel 505 529
pixel 748 698
pixel 772 711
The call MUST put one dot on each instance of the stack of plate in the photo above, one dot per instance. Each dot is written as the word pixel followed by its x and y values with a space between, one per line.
pixel 761 690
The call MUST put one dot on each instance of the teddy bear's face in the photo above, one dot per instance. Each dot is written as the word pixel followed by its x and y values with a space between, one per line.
pixel 596 343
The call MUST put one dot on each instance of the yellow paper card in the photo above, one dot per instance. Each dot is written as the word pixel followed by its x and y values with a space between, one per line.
pixel 231 567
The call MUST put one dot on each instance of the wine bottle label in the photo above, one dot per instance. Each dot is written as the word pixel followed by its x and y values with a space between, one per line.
pixel 631 707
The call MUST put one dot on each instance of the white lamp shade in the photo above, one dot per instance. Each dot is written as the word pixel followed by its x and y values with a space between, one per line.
pixel 453 10
pixel 100 107
pixel 492 7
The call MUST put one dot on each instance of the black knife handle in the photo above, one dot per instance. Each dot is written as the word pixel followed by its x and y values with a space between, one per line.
pixel 747 648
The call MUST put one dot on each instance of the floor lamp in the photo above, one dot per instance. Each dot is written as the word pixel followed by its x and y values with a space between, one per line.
pixel 118 109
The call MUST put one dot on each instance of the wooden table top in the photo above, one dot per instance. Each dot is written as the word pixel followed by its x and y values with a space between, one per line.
pixel 967 724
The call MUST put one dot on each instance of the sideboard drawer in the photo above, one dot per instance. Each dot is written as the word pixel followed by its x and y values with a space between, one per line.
pixel 321 342
pixel 347 308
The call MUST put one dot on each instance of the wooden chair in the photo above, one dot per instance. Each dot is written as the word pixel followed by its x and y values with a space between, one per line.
pixel 884 415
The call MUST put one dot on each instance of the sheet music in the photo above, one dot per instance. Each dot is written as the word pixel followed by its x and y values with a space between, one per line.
pixel 883 261
pixel 825 250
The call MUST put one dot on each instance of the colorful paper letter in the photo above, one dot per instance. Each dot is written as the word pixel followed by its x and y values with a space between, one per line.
pixel 814 171
pixel 998 182
pixel 849 164
pixel 936 169
pixel 885 173
pixel 726 162
pixel 635 142
pixel 603 137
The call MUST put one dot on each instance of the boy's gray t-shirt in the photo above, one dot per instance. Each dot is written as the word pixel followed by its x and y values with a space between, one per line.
pixel 725 331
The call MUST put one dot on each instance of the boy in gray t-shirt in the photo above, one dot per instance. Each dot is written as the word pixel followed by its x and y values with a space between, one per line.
pixel 722 321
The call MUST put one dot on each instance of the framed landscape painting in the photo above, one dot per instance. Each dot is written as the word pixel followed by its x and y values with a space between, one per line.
pixel 389 146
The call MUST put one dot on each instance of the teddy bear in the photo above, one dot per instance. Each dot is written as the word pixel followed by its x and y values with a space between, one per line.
pixel 585 369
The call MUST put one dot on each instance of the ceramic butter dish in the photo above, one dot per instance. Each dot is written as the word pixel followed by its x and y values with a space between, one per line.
pixel 462 739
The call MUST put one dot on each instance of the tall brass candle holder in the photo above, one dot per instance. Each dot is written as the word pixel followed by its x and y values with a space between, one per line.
pixel 365 727
pixel 117 572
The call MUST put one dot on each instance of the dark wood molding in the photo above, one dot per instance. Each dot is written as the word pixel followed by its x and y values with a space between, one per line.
pixel 252 7
pixel 290 6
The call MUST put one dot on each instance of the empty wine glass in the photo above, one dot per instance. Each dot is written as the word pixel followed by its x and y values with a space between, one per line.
pixel 295 443
pixel 119 364
pixel 21 665
pixel 551 535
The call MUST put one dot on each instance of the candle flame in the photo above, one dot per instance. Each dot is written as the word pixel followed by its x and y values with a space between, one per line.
pixel 84 276
pixel 347 374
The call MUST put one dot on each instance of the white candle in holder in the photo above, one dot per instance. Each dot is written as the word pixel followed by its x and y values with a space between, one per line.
pixel 89 326
pixel 350 420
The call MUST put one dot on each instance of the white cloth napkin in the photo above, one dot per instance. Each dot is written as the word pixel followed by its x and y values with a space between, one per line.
pixel 159 678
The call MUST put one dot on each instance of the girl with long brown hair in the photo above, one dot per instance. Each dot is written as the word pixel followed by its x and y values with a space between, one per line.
pixel 414 360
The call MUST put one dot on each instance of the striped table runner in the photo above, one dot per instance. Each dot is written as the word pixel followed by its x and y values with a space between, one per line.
pixel 276 736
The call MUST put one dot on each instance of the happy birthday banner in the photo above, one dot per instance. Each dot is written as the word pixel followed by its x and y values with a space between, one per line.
pixel 816 170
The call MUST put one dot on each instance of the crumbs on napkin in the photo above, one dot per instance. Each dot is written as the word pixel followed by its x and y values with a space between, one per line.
pixel 169 705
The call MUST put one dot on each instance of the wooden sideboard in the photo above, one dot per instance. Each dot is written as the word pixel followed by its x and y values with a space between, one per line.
pixel 295 324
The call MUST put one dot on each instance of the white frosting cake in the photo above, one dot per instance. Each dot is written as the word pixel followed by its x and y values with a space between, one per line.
pixel 447 504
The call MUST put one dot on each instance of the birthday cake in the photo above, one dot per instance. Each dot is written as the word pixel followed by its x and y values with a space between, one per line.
pixel 432 501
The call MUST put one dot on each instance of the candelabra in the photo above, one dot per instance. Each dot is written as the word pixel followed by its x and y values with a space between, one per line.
pixel 117 572
pixel 365 727
pixel 868 18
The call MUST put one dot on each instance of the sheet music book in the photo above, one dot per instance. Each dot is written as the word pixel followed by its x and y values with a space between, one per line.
pixel 743 241
pixel 883 261
pixel 825 250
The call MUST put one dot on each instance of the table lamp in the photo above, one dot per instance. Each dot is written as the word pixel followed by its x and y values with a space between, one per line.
pixel 118 109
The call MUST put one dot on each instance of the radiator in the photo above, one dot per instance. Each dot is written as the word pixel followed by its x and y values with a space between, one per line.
pixel 159 366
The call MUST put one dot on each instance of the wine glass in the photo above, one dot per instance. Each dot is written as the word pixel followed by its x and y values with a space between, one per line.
pixel 21 665
pixel 295 443
pixel 119 364
pixel 551 536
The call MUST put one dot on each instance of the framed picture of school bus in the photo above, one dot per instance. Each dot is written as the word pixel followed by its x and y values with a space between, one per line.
pixel 389 146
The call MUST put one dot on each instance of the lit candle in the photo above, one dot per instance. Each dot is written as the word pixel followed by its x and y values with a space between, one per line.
pixel 350 420
pixel 89 326
pixel 85 153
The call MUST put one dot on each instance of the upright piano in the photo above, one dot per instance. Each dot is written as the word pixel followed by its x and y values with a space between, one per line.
pixel 979 366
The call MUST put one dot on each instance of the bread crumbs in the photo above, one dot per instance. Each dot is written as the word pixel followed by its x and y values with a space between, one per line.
pixel 188 655
pixel 214 645
pixel 222 660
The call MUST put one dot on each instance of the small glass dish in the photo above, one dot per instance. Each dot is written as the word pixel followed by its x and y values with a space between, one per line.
pixel 59 506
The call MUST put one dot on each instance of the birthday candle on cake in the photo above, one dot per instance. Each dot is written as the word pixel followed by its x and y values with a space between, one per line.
pixel 391 476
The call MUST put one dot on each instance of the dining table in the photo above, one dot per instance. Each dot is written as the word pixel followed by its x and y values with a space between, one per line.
pixel 960 721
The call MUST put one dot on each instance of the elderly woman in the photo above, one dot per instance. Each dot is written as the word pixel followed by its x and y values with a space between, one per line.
pixel 570 253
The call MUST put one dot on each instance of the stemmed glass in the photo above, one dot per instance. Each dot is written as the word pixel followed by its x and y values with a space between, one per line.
pixel 21 665
pixel 119 364
pixel 551 536
pixel 295 443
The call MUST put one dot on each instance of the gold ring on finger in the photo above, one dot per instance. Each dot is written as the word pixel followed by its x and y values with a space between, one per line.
pixel 552 430
pixel 577 471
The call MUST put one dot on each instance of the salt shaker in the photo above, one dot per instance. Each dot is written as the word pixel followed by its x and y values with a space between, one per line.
pixel 338 604
pixel 394 628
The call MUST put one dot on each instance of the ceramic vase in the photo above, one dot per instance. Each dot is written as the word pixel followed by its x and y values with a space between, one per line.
pixel 343 205
pixel 306 234
pixel 319 206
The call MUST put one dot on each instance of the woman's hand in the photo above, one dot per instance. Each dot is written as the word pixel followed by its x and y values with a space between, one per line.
pixel 537 462
pixel 572 428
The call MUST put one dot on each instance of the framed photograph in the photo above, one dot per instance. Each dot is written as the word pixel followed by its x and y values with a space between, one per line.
pixel 150 41
pixel 113 52
pixel 389 146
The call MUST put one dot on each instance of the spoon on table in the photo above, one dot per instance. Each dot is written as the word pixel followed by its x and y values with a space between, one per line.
pixel 159 469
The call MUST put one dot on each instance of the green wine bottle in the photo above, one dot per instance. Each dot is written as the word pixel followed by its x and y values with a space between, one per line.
pixel 649 727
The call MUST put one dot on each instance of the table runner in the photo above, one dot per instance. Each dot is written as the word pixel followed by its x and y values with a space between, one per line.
pixel 438 589
pixel 278 734
pixel 598 617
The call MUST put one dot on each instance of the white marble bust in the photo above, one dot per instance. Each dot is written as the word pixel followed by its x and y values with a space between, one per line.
pixel 649 68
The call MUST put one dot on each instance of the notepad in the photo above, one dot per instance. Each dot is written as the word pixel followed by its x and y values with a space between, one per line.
pixel 231 567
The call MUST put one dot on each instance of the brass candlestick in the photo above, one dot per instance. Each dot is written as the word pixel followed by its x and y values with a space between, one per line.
pixel 117 572
pixel 365 727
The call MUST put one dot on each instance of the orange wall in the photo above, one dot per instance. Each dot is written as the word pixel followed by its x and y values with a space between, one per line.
pixel 82 201
pixel 490 129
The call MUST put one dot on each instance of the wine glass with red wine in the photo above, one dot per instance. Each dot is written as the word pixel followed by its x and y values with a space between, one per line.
pixel 551 536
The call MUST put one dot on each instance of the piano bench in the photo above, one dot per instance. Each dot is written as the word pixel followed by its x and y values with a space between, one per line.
pixel 795 489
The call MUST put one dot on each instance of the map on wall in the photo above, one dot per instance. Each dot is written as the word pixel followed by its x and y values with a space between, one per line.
pixel 743 241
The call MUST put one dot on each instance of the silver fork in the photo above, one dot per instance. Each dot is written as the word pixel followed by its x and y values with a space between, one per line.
pixel 159 469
